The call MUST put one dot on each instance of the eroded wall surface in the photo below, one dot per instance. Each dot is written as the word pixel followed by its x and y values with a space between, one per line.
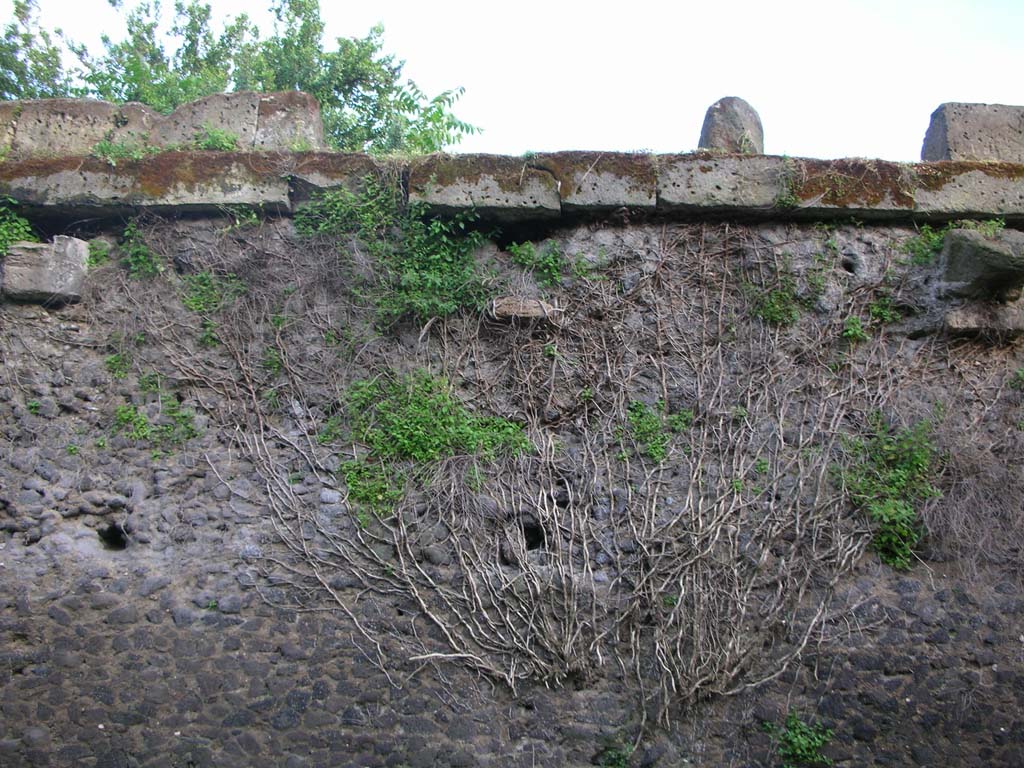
pixel 188 575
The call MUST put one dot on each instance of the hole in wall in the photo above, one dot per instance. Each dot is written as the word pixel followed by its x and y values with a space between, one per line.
pixel 533 535
pixel 113 536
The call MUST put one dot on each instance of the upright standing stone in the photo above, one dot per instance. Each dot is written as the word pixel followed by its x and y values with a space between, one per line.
pixel 47 273
pixel 992 132
pixel 732 125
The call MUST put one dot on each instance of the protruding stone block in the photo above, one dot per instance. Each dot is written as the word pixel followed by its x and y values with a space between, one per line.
pixel 498 188
pixel 990 132
pixel 289 121
pixel 977 266
pixel 984 317
pixel 46 273
pixel 732 125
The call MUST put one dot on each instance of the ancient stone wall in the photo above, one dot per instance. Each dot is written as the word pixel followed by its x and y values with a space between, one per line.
pixel 674 567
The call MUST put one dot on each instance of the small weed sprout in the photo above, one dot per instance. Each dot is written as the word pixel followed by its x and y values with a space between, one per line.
pixel 1017 379
pixel 799 744
pixel 853 330
pixel 547 263
pixel 651 429
pixel 13 228
pixel 139 259
pixel 927 244
pixel 215 140
pixel 99 254
pixel 779 306
pixel 114 152
pixel 33 406
pixel 118 364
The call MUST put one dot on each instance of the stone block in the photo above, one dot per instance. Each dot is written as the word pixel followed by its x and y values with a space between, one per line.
pixel 705 182
pixel 732 125
pixel 55 127
pixel 183 181
pixel 498 188
pixel 289 121
pixel 47 273
pixel 9 113
pixel 601 181
pixel 977 266
pixel 986 318
pixel 988 132
pixel 235 113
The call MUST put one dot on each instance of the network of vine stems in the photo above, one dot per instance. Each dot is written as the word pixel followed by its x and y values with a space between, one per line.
pixel 706 573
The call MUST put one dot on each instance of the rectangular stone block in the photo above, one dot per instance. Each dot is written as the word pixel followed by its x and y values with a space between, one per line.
pixel 706 182
pixel 498 188
pixel 57 127
pixel 188 181
pixel 46 273
pixel 289 122
pixel 601 181
pixel 990 132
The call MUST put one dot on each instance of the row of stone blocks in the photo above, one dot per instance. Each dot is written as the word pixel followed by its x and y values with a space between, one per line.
pixel 539 187
pixel 282 121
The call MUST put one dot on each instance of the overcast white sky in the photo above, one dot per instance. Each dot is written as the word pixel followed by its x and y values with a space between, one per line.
pixel 846 78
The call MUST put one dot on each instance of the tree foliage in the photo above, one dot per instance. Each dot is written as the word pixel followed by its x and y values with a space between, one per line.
pixel 366 105
pixel 30 65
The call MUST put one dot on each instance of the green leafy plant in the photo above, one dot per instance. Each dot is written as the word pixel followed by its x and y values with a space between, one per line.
pixel 616 756
pixel 853 330
pixel 416 417
pixel 215 139
pixel 427 262
pixel 205 292
pixel 780 305
pixel 139 259
pixel 925 245
pixel 13 228
pixel 118 364
pixel 888 474
pixel 928 242
pixel 1017 379
pixel 799 744
pixel 33 406
pixel 546 263
pixel 272 361
pixel 882 309
pixel 651 428
pixel 413 418
pixel 99 254
pixel 72 449
pixel 114 152
pixel 129 420
pixel 177 428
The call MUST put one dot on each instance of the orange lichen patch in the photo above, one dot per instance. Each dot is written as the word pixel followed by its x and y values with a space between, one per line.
pixel 160 174
pixel 507 172
pixel 339 165
pixel 934 176
pixel 852 183
pixel 571 169
pixel 45 166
